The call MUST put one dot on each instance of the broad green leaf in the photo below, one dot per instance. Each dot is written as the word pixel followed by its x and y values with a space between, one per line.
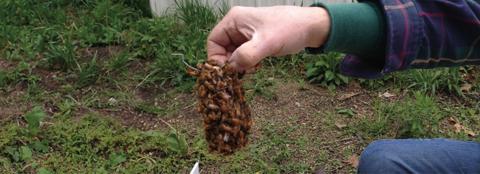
pixel 177 143
pixel 25 153
pixel 117 158
pixel 311 72
pixel 329 75
pixel 13 152
pixel 34 118
pixel 321 63
pixel 40 146
pixel 343 78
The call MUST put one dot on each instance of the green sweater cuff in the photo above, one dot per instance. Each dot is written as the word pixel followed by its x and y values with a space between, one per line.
pixel 356 28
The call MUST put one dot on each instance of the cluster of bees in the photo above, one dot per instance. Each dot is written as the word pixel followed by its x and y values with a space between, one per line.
pixel 221 102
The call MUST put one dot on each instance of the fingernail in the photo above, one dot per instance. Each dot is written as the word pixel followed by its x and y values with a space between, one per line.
pixel 235 66
pixel 220 62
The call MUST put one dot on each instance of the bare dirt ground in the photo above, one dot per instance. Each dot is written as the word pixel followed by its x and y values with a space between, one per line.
pixel 299 126
pixel 295 112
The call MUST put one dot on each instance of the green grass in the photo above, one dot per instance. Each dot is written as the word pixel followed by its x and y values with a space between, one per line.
pixel 86 86
pixel 417 116
pixel 88 144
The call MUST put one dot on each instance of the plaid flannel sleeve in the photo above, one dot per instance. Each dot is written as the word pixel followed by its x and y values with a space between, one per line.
pixel 424 34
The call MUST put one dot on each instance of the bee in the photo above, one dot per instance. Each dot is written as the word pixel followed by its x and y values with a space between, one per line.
pixel 202 91
pixel 224 106
pixel 238 110
pixel 213 117
pixel 226 149
pixel 209 85
pixel 241 139
pixel 236 130
pixel 214 82
pixel 221 85
pixel 210 97
pixel 192 72
pixel 235 121
pixel 219 139
pixel 218 71
pixel 237 90
pixel 224 95
pixel 208 66
pixel 226 128
pixel 205 75
pixel 228 69
pixel 212 106
pixel 241 98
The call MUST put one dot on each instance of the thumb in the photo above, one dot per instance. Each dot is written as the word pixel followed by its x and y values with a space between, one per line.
pixel 250 54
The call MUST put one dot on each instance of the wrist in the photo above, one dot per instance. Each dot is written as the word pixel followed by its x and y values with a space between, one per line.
pixel 318 27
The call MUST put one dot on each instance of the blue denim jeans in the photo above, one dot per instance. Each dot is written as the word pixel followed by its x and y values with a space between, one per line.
pixel 420 156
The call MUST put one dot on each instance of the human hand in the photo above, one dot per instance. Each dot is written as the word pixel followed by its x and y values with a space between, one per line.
pixel 246 35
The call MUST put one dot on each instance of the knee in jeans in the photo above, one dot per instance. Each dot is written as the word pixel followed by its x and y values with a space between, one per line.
pixel 378 156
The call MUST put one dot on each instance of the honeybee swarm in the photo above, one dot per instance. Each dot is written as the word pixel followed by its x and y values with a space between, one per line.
pixel 221 102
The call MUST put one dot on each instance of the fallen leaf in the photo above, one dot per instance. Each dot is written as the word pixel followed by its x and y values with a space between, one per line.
pixel 348 95
pixel 340 125
pixel 387 95
pixel 353 160
pixel 452 120
pixel 470 133
pixel 466 87
pixel 457 127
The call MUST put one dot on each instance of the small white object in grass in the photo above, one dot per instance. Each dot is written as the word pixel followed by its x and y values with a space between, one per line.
pixel 225 138
pixel 196 168
pixel 112 101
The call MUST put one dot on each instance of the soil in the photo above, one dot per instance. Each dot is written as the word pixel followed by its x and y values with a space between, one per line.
pixel 5 65
pixel 47 78
pixel 292 106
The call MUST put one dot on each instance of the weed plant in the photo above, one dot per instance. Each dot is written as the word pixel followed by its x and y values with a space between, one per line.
pixel 324 70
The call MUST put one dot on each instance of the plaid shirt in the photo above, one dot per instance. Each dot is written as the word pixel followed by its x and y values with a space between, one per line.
pixel 424 34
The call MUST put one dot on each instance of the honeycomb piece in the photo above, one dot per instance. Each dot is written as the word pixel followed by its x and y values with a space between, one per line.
pixel 221 102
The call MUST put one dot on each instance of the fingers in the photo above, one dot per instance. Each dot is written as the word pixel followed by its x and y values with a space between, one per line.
pixel 217 44
pixel 217 52
pixel 226 37
pixel 250 53
pixel 219 49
